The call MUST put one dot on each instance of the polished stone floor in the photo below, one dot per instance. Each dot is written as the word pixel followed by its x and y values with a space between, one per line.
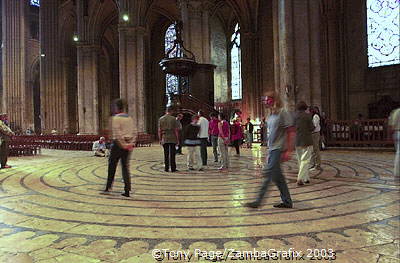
pixel 51 211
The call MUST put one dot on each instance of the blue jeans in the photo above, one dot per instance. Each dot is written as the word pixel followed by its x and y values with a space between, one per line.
pixel 272 172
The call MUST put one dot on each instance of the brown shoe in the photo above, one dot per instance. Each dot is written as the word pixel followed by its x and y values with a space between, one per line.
pixel 6 166
pixel 300 183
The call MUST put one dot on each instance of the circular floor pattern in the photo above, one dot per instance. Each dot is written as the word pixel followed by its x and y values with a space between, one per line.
pixel 51 208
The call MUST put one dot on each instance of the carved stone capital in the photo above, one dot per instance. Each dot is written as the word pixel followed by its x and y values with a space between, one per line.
pixel 195 6
pixel 131 32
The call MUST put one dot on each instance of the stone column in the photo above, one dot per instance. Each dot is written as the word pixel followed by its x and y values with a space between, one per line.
pixel 54 105
pixel 251 78
pixel 334 51
pixel 196 29
pixel 64 73
pixel 132 72
pixel 88 89
pixel 315 54
pixel 14 61
pixel 297 51
pixel 285 46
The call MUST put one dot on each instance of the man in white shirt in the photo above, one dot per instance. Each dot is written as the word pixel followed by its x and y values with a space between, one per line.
pixel 123 140
pixel 316 136
pixel 203 135
pixel 99 147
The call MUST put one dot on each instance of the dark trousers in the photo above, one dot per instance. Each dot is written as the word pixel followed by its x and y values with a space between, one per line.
pixel 116 154
pixel 169 156
pixel 4 151
pixel 272 172
pixel 203 150
pixel 236 144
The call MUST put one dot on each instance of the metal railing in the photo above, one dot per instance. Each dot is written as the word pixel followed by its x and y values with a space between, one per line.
pixel 372 132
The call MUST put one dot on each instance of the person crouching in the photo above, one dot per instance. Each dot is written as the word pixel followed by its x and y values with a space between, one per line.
pixel 99 147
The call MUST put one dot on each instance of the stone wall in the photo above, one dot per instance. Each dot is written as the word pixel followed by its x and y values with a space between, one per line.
pixel 365 85
pixel 219 59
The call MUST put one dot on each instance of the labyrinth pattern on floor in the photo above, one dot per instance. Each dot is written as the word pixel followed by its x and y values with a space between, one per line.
pixel 52 210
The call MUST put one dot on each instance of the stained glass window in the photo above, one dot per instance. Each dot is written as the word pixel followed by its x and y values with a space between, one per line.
pixel 383 32
pixel 236 67
pixel 35 2
pixel 172 81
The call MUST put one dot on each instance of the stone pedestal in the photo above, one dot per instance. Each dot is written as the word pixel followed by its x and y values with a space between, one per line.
pixel 88 89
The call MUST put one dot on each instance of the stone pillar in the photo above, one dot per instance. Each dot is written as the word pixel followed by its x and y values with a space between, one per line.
pixel 14 61
pixel 132 72
pixel 202 83
pixel 54 105
pixel 297 51
pixel 286 46
pixel 251 76
pixel 64 73
pixel 334 53
pixel 315 54
pixel 196 29
pixel 88 89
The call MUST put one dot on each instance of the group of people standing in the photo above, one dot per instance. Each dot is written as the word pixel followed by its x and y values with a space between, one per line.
pixel 196 137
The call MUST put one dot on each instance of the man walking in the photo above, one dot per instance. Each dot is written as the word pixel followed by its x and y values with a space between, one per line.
pixel 168 134
pixel 123 139
pixel 279 148
pixel 203 135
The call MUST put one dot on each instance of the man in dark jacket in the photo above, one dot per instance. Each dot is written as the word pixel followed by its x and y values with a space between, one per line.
pixel 304 142
pixel 5 135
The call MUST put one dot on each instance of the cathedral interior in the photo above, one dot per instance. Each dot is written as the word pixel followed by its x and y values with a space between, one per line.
pixel 65 61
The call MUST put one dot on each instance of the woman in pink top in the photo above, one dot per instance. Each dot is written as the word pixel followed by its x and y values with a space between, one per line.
pixel 236 135
pixel 223 141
